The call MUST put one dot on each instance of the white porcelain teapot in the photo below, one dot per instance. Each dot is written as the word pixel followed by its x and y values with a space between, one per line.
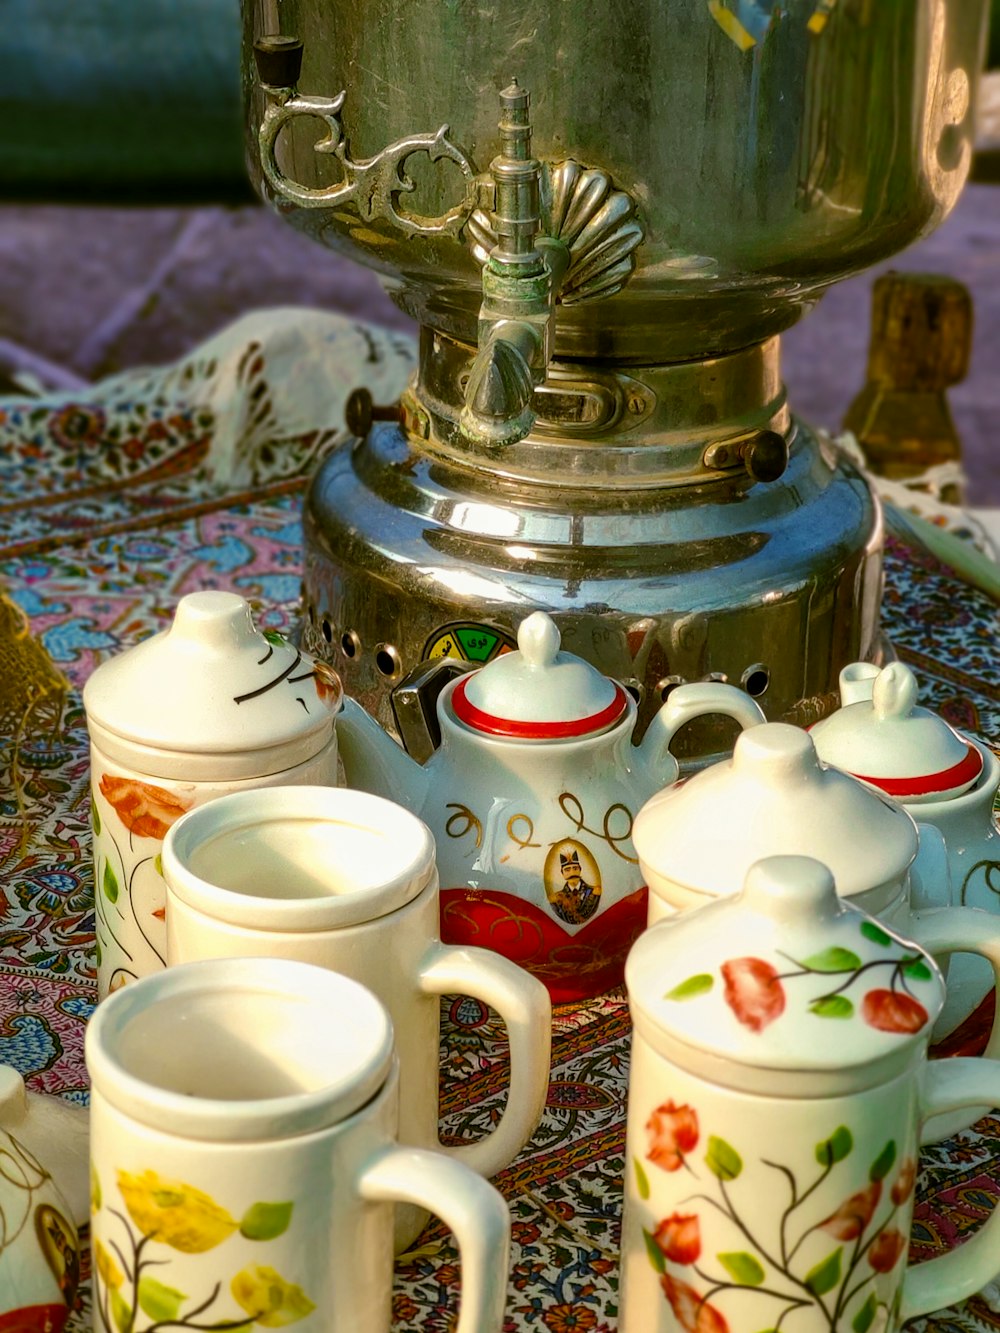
pixel 531 798
pixel 43 1197
pixel 942 777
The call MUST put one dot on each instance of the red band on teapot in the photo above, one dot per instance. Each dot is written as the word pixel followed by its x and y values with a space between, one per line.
pixel 527 730
pixel 966 771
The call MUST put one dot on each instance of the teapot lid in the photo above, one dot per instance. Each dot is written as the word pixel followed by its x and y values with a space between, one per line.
pixel 772 797
pixel 784 975
pixel 539 693
pixel 888 740
pixel 212 696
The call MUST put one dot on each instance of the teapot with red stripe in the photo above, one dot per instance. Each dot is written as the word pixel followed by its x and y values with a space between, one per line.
pixel 531 797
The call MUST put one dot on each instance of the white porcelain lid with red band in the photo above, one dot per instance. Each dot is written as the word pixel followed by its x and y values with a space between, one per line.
pixel 784 975
pixel 229 699
pixel 888 740
pixel 539 693
pixel 773 797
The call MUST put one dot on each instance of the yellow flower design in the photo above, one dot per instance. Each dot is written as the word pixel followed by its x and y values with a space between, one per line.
pixel 268 1299
pixel 176 1214
pixel 110 1273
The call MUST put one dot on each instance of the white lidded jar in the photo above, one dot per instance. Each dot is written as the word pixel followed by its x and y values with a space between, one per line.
pixel 777 1089
pixel 210 706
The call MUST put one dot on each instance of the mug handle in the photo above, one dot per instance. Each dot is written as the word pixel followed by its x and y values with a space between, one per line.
pixel 470 1206
pixel 523 1004
pixel 687 702
pixel 951 1085
pixel 944 930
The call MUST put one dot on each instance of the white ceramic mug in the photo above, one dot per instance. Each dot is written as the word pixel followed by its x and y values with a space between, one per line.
pixel 244 1159
pixel 347 880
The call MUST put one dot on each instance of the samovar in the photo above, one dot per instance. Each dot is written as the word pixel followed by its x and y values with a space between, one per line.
pixel 601 271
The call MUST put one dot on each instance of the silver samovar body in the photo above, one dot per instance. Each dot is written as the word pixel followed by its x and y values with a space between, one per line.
pixel 598 425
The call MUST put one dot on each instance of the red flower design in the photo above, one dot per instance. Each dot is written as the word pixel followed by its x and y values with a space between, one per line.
pixel 893 1011
pixel 692 1313
pixel 673 1131
pixel 903 1186
pixel 886 1249
pixel 753 992
pixel 328 685
pixel 144 809
pixel 854 1214
pixel 679 1237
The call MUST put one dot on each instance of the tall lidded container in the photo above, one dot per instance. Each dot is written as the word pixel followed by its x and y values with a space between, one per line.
pixel 210 706
pixel 777 1088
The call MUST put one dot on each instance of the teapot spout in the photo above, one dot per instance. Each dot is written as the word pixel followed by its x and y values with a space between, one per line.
pixel 373 762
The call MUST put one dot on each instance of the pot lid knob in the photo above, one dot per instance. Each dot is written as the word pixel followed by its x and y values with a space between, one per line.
pixel 539 693
pixel 888 740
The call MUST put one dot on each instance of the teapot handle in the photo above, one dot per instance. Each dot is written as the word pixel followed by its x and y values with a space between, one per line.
pixel 682 705
pixel 950 1085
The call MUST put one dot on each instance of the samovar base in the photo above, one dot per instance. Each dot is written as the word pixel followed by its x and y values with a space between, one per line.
pixel 412 552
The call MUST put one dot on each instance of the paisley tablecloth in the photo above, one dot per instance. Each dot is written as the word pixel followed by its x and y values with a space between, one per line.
pixel 155 484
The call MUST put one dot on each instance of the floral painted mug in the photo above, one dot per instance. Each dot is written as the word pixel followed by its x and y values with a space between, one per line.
pixel 777 1088
pixel 245 1163
pixel 211 705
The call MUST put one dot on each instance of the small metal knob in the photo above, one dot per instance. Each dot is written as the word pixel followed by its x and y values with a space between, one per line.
pixel 360 411
pixel 279 60
pixel 766 456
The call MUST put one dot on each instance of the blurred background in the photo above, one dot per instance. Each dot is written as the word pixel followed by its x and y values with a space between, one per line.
pixel 128 232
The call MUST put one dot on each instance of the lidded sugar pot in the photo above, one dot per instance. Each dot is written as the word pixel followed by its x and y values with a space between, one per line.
pixel 210 706
pixel 775 796
pixel 777 1087
pixel 531 797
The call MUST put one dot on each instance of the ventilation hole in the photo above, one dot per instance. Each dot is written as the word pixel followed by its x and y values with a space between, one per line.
pixel 635 692
pixel 387 660
pixel 667 685
pixel 327 631
pixel 350 644
pixel 755 680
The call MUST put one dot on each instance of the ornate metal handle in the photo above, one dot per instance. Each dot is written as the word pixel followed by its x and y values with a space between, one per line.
pixel 373 186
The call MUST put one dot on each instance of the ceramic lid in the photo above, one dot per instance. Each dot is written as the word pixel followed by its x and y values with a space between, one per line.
pixel 773 797
pixel 784 975
pixel 213 686
pixel 890 741
pixel 539 693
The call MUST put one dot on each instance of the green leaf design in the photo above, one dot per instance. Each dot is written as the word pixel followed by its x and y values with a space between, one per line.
pixel 882 1164
pixel 109 883
pixel 641 1179
pixel 832 1006
pixel 722 1159
pixel 95 814
pixel 656 1256
pixel 833 960
pixel 875 933
pixel 264 1221
pixel 863 1320
pixel 825 1275
pixel 742 1268
pixel 121 1312
pixel 158 1300
pixel 835 1148
pixel 274 636
pixel 916 969
pixel 95 1189
pixel 687 990
pixel 158 864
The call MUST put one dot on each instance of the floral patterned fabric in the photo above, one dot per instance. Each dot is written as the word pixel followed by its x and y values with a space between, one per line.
pixel 161 483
